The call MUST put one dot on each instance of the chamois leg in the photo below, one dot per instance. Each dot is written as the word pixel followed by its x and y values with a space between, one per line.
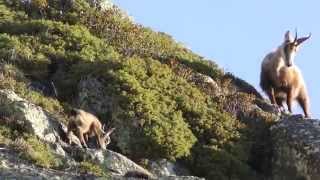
pixel 88 134
pixel 279 102
pixel 99 138
pixel 80 135
pixel 86 137
pixel 289 99
pixel 69 132
pixel 69 136
pixel 270 93
pixel 303 102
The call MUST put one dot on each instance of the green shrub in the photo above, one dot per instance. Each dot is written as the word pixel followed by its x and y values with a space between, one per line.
pixel 6 14
pixel 130 39
pixel 13 79
pixel 34 46
pixel 40 4
pixel 214 163
pixel 164 132
pixel 87 167
pixel 7 134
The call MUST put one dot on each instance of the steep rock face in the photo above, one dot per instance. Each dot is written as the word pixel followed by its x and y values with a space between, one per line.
pixel 296 149
pixel 31 117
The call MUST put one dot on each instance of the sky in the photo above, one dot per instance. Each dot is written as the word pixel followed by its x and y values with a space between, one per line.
pixel 238 34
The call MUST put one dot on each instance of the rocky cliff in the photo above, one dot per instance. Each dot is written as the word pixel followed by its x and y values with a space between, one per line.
pixel 296 146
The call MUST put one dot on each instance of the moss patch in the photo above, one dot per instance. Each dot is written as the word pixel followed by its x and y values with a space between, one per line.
pixel 87 167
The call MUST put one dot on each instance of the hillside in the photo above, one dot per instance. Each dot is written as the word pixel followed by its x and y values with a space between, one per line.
pixel 165 101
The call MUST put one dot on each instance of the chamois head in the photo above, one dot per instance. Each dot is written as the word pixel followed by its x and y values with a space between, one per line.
pixel 106 137
pixel 291 46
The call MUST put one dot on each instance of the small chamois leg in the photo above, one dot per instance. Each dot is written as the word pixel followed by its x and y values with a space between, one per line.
pixel 99 138
pixel 303 102
pixel 86 137
pixel 280 105
pixel 69 136
pixel 80 135
pixel 289 99
pixel 270 93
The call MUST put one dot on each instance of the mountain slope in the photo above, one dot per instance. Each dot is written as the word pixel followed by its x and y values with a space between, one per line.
pixel 164 100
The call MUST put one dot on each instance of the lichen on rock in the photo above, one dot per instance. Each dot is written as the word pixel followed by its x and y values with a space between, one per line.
pixel 32 117
pixel 296 144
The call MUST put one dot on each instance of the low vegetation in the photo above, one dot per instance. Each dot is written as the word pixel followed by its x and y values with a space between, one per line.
pixel 28 146
pixel 87 167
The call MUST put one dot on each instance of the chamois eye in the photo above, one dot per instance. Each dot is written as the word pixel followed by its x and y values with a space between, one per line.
pixel 291 47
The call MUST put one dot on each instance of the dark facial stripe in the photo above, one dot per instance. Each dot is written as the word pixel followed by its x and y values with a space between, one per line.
pixel 287 51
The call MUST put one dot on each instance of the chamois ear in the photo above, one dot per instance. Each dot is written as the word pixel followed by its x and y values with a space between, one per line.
pixel 288 37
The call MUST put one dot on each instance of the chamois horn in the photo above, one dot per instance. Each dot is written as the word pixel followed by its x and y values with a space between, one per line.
pixel 296 36
pixel 301 40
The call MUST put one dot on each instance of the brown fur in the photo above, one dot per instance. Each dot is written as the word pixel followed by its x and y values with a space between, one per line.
pixel 288 87
pixel 292 84
pixel 85 124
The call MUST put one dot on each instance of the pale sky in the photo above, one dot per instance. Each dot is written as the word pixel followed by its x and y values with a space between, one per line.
pixel 238 34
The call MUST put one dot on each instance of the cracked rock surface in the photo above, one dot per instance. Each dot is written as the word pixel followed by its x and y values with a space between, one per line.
pixel 296 149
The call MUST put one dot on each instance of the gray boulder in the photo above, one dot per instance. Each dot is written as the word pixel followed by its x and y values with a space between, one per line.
pixel 167 170
pixel 296 149
pixel 111 161
pixel 122 164
pixel 163 167
pixel 31 117
pixel 206 82
pixel 123 168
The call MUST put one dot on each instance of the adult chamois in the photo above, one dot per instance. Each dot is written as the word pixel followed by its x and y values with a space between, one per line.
pixel 280 79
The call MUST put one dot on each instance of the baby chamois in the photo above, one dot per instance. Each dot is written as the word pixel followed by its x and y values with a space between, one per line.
pixel 84 124
pixel 281 79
